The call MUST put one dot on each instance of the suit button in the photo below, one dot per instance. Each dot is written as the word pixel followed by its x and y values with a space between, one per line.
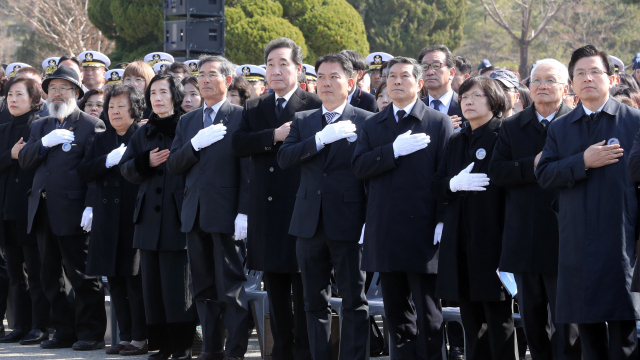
pixel 271 169
pixel 47 174
pixel 378 158
pixel 105 183
pixel 117 201
pixel 117 184
pixel 325 174
pixel 160 172
pixel 569 182
pixel 17 180
pixel 201 171
pixel 319 192
pixel 517 163
pixel 104 201
pixel 159 191
pixel 269 198
pixel 157 208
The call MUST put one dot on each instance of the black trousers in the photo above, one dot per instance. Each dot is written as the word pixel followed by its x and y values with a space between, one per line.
pixel 613 340
pixel 488 328
pixel 288 324
pixel 216 262
pixel 537 293
pixel 417 330
pixel 317 257
pixel 85 319
pixel 128 303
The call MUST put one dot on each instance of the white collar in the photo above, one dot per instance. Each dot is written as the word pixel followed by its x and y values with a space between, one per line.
pixel 550 117
pixel 407 109
pixel 339 110
pixel 215 107
pixel 445 99
pixel 288 95
pixel 588 112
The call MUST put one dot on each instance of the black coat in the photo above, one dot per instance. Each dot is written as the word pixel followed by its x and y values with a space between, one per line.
pixel 401 211
pixel 327 181
pixel 363 100
pixel 56 171
pixel 216 180
pixel 111 251
pixel 530 241
pixel 15 183
pixel 597 215
pixel 159 199
pixel 474 220
pixel 271 189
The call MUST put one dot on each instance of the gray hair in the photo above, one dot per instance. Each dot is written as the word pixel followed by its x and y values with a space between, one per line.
pixel 417 69
pixel 564 72
pixel 283 42
pixel 226 67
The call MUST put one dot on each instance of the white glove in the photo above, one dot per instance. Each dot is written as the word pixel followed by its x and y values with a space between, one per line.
pixel 57 137
pixel 241 227
pixel 406 143
pixel 438 233
pixel 465 181
pixel 336 131
pixel 362 235
pixel 87 219
pixel 115 155
pixel 208 136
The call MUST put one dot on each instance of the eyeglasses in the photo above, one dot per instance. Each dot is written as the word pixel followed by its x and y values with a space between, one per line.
pixel 60 90
pixel 593 73
pixel 136 81
pixel 548 82
pixel 434 66
pixel 473 97
pixel 95 104
pixel 212 75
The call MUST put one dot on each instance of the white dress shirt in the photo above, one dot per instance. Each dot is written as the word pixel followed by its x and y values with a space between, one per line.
pixel 550 117
pixel 445 100
pixel 339 110
pixel 407 109
pixel 286 97
pixel 215 108
pixel 588 112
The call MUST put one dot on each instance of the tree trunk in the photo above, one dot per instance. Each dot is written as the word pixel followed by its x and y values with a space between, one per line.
pixel 524 59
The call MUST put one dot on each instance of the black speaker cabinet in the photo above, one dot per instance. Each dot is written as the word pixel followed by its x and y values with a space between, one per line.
pixel 199 36
pixel 195 8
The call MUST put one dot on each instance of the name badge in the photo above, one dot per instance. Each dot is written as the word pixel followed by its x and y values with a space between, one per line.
pixel 613 141
pixel 66 147
pixel 481 154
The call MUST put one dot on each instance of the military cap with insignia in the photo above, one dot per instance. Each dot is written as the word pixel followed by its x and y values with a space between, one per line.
pixel 158 57
pixel 50 65
pixel 114 76
pixel 617 63
pixel 160 67
pixel 311 72
pixel 193 66
pixel 94 58
pixel 122 65
pixel 12 69
pixel 251 72
pixel 375 60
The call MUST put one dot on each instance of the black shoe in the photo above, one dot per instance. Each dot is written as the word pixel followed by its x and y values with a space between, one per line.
pixel 13 337
pixel 1 330
pixel 182 354
pixel 56 344
pixel 456 353
pixel 87 345
pixel 160 355
pixel 35 336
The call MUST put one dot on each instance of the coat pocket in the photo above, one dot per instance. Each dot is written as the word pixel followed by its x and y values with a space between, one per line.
pixel 139 203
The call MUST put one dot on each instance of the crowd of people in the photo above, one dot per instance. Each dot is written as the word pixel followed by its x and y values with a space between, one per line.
pixel 173 179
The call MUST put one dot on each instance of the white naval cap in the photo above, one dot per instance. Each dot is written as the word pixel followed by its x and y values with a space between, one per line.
pixel 94 58
pixel 13 68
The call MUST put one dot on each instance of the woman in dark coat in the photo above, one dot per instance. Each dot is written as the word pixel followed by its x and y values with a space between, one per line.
pixel 31 307
pixel 474 218
pixel 171 314
pixel 111 251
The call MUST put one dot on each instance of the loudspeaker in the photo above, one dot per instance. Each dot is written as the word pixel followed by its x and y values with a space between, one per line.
pixel 194 8
pixel 199 36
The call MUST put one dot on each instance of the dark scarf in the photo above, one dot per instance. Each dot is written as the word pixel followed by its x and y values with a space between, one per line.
pixel 24 119
pixel 165 126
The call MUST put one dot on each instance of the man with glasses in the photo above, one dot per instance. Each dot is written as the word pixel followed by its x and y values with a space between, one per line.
pixel 585 157
pixel 58 216
pixel 439 69
pixel 530 237
pixel 509 83
pixel 570 98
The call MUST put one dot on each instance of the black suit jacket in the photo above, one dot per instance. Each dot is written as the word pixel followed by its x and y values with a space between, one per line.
pixel 272 190
pixel 56 171
pixel 364 100
pixel 327 181
pixel 401 211
pixel 216 179
pixel 530 240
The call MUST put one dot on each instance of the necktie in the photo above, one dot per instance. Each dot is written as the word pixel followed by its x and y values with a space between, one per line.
pixel 591 121
pixel 330 116
pixel 279 103
pixel 544 122
pixel 436 104
pixel 208 119
pixel 400 114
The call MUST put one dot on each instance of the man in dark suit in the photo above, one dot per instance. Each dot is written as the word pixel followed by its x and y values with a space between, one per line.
pixel 330 210
pixel 213 203
pixel 439 70
pixel 585 157
pixel 357 97
pixel 265 125
pixel 56 146
pixel 530 237
pixel 400 239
